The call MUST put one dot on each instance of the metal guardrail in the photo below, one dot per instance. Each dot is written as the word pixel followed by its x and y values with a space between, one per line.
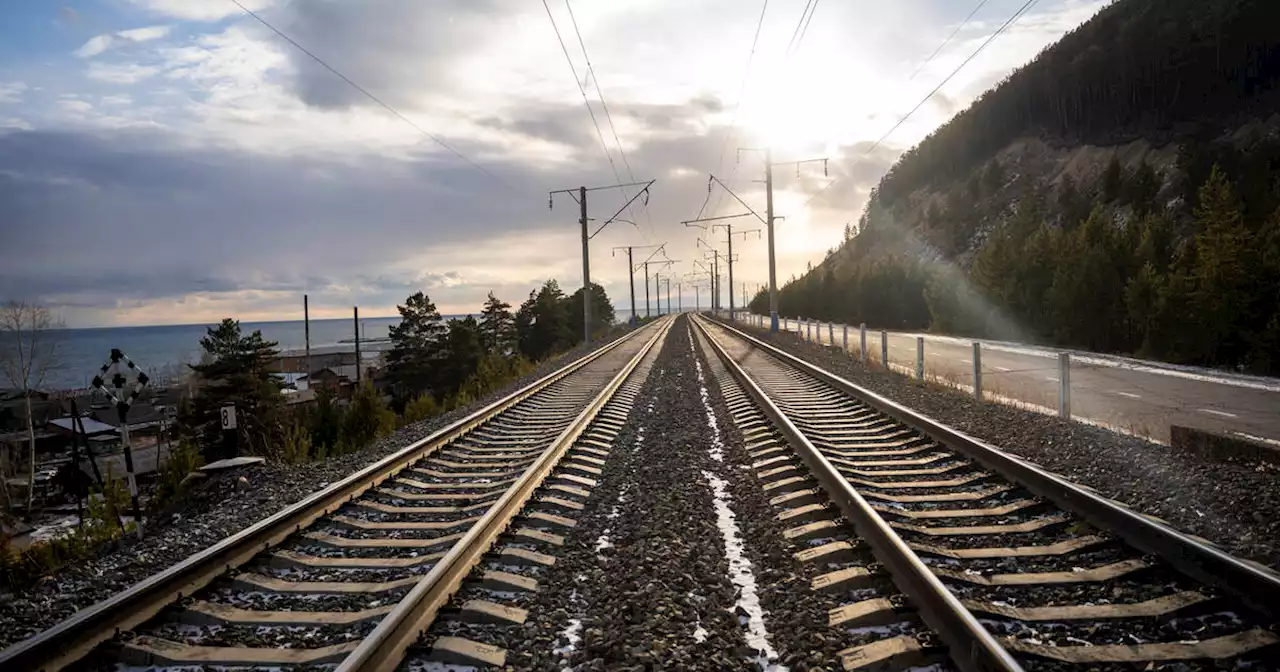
pixel 972 647
pixel 1255 585
pixel 72 639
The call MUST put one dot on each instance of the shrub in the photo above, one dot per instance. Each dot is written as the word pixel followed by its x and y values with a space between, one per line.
pixel 366 419
pixel 420 408
pixel 183 460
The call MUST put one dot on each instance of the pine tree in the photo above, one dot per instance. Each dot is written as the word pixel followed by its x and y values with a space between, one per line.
pixel 601 312
pixel 415 347
pixel 1222 270
pixel 542 323
pixel 462 350
pixel 497 325
pixel 234 373
pixel 1112 180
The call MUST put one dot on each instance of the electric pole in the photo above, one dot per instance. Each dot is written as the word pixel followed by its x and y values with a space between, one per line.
pixel 580 195
pixel 631 275
pixel 769 217
pixel 729 234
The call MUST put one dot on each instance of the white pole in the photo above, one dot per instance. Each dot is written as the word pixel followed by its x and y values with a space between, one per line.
pixel 1064 385
pixel 977 371
pixel 919 357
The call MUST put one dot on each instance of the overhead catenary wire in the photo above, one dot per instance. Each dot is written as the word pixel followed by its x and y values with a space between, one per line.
pixel 1016 15
pixel 609 118
pixel 438 140
pixel 927 61
pixel 573 70
pixel 802 27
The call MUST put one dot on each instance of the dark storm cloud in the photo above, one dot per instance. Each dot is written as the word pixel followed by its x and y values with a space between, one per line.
pixel 90 220
pixel 393 47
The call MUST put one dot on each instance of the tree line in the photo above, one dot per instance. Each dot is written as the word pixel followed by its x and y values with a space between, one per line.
pixel 1204 291
pixel 434 366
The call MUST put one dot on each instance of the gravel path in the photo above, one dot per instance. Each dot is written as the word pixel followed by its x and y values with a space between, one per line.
pixel 218 508
pixel 1234 503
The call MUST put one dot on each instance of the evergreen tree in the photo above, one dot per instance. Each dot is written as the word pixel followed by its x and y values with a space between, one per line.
pixel 497 325
pixel 1112 180
pixel 462 350
pixel 234 373
pixel 601 312
pixel 1222 271
pixel 542 323
pixel 415 347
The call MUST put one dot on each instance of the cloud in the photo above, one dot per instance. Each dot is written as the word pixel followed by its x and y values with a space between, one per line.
pixel 199 10
pixel 121 73
pixel 98 44
pixel 11 92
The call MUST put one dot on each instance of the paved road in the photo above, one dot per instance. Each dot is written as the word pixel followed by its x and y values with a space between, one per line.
pixel 1138 397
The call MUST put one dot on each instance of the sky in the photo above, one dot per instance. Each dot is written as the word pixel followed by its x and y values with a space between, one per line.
pixel 177 161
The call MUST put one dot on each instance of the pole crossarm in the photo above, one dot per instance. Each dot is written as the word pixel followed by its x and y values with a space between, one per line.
pixel 739 200
pixel 574 191
pixel 643 192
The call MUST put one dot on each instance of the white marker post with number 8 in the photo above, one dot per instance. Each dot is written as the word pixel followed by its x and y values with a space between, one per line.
pixel 229 437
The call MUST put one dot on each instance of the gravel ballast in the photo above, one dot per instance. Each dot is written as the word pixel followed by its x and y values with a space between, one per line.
pixel 643 581
pixel 1235 504
pixel 217 508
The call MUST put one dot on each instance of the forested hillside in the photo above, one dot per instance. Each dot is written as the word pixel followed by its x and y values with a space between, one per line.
pixel 1119 193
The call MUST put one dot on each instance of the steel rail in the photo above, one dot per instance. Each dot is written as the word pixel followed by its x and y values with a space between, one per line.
pixel 1256 586
pixel 384 648
pixel 72 639
pixel 971 646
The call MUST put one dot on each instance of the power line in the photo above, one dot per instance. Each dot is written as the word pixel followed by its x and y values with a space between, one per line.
pixel 583 91
pixel 733 123
pixel 1016 15
pixel 947 41
pixel 608 117
pixel 802 27
pixel 366 92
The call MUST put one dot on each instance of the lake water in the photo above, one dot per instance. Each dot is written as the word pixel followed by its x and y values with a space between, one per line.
pixel 164 351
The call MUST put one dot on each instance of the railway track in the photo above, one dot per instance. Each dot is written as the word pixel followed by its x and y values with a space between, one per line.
pixel 941 548
pixel 357 573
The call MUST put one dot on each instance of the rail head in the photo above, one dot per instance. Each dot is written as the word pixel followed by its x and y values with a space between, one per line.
pixel 384 648
pixel 972 647
pixel 1256 586
pixel 72 639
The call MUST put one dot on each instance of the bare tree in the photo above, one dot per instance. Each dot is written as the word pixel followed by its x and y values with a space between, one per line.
pixel 27 352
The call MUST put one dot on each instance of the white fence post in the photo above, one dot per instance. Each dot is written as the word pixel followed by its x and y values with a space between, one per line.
pixel 977 371
pixel 1064 385
pixel 919 357
pixel 845 342
pixel 884 349
pixel 862 334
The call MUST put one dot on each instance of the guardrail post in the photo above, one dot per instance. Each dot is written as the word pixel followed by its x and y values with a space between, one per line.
pixel 831 334
pixel 1064 385
pixel 845 341
pixel 919 357
pixel 884 349
pixel 862 334
pixel 808 330
pixel 977 371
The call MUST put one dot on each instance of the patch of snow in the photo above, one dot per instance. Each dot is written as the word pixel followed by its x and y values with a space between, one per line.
pixel 572 634
pixel 740 575
pixel 717 446
pixel 700 634
pixel 602 542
